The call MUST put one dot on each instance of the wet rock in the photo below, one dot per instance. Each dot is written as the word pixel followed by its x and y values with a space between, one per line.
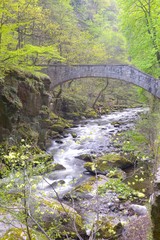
pixel 116 124
pixel 75 126
pixel 83 118
pixel 113 160
pixel 86 157
pixel 65 135
pixel 93 169
pixel 56 183
pixel 89 173
pixel 46 168
pixel 74 135
pixel 117 173
pixel 59 141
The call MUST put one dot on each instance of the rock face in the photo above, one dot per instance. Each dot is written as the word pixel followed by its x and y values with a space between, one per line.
pixel 25 109
pixel 21 99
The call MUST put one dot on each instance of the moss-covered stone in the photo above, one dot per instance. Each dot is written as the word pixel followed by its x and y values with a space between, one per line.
pixel 86 157
pixel 58 127
pixel 70 107
pixel 21 234
pixel 24 131
pixel 74 135
pixel 104 163
pixel 117 173
pixel 108 229
pixel 56 217
pixel 91 113
pixel 113 160
pixel 86 186
pixel 46 168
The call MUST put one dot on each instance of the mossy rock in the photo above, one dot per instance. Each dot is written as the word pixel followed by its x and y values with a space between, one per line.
pixel 43 168
pixel 26 132
pixel 21 234
pixel 108 229
pixel 113 160
pixel 94 168
pixel 54 134
pixel 91 113
pixel 87 186
pixel 44 164
pixel 117 173
pixel 56 217
pixel 9 93
pixel 74 135
pixel 104 163
pixel 85 157
pixel 58 127
pixel 71 107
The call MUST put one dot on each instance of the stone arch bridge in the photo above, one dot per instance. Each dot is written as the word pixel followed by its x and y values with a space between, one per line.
pixel 60 74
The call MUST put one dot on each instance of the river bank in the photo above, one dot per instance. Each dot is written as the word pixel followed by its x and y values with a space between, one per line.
pixel 116 203
pixel 104 200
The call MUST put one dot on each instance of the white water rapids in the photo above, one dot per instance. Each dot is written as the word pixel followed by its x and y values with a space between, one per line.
pixel 93 137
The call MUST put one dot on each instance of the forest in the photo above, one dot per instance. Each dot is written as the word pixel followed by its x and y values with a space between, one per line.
pixel 79 161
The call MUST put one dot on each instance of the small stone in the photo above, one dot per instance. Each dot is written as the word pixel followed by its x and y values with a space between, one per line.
pixel 110 204
pixel 59 141
pixel 139 210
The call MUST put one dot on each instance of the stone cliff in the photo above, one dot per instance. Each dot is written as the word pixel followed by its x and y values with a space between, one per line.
pixel 24 109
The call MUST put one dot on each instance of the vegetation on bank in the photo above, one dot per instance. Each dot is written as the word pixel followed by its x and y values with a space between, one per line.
pixel 35 33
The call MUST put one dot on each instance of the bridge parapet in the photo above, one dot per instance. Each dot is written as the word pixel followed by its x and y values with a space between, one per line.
pixel 60 74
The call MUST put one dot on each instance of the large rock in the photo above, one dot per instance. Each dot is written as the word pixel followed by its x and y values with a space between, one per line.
pixel 113 160
pixel 102 164
pixel 55 216
pixel 21 234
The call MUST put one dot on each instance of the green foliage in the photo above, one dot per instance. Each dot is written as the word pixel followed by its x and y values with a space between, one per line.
pixel 122 189
pixel 21 234
pixel 20 22
pixel 99 18
pixel 140 23
pixel 16 158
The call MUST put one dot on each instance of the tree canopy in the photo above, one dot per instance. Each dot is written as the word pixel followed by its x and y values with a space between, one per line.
pixel 140 21
pixel 39 32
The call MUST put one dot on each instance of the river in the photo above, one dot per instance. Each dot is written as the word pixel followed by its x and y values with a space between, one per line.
pixel 89 136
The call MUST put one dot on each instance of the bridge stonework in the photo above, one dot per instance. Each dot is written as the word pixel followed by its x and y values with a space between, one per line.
pixel 60 74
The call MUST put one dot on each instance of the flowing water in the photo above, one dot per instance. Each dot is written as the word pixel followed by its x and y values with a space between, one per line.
pixel 93 136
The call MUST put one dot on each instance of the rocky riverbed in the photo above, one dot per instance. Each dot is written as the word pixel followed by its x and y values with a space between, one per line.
pixel 101 182
pixel 98 190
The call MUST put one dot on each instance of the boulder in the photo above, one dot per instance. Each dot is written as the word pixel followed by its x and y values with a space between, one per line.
pixel 47 168
pixel 106 229
pixel 55 216
pixel 85 157
pixel 93 169
pixel 21 234
pixel 113 160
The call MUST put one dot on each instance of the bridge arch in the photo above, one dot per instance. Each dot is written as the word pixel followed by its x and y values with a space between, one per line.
pixel 60 74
